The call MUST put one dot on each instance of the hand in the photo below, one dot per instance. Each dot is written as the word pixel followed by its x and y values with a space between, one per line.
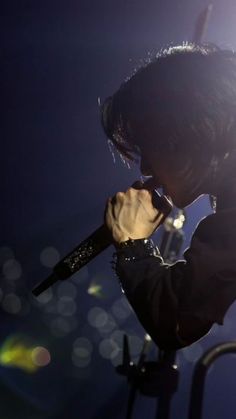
pixel 131 215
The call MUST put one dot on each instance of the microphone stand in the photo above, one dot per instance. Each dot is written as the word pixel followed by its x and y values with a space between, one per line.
pixel 159 378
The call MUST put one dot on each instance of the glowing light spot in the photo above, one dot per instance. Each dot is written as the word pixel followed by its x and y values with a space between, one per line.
pixel 193 352
pixel 49 257
pixel 11 303
pixel 95 290
pixel 12 269
pixel 108 349
pixel 101 286
pixel 5 254
pixel 121 308
pixel 178 224
pixel 66 289
pixel 40 356
pixel 16 353
pixel 66 306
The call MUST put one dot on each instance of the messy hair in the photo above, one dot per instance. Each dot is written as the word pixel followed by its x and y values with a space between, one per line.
pixel 184 98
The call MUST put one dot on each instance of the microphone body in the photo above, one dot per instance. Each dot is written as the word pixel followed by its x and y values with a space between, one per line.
pixel 92 246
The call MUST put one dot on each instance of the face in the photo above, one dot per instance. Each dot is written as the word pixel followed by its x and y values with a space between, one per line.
pixel 175 173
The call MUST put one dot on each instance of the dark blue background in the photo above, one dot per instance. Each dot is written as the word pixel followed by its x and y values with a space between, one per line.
pixel 57 59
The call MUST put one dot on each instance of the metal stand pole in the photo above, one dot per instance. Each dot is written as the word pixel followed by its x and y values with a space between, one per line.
pixel 168 389
pixel 200 371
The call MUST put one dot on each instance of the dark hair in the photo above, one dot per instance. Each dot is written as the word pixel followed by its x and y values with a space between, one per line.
pixel 184 97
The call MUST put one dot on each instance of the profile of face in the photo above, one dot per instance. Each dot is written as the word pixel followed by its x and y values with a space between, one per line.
pixel 178 174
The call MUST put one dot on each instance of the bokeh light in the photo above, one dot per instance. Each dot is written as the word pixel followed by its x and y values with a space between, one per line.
pixel 108 348
pixel 118 337
pixel 82 343
pixel 66 306
pixel 49 257
pixel 17 353
pixel 108 326
pixel 101 286
pixel 12 269
pixel 44 297
pixel 82 350
pixel 66 289
pixel 96 290
pixel 97 317
pixel 101 320
pixel 40 356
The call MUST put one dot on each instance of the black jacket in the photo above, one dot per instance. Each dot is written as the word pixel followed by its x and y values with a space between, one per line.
pixel 177 304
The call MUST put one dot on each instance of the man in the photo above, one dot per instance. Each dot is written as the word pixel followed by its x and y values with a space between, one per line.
pixel 177 114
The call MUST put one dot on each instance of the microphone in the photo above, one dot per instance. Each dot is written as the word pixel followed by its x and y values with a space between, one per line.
pixel 98 241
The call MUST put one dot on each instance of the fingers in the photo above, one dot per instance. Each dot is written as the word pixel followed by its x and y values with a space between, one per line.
pixel 130 195
pixel 131 214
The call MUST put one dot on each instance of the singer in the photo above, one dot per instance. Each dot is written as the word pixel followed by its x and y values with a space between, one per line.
pixel 177 115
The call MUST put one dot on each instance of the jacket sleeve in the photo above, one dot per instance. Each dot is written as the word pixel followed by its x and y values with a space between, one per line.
pixel 177 304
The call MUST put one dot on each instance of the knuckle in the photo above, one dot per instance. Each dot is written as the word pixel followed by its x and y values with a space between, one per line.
pixel 130 191
pixel 120 195
pixel 144 193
